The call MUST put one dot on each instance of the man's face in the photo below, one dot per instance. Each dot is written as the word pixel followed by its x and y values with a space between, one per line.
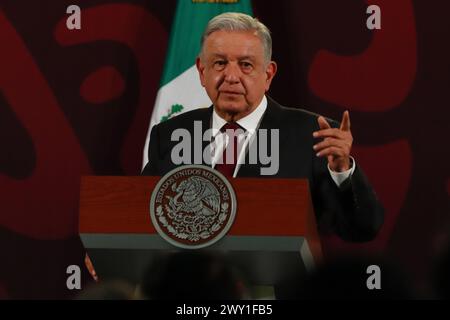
pixel 234 72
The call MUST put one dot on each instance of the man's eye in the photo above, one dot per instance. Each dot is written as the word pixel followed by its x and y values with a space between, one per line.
pixel 219 64
pixel 246 65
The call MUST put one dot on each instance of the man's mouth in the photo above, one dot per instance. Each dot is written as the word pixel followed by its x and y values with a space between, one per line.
pixel 230 92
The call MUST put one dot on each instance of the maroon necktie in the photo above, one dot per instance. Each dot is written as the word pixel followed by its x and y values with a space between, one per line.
pixel 227 164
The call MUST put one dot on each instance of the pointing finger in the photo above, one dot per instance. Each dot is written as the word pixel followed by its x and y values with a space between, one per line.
pixel 345 124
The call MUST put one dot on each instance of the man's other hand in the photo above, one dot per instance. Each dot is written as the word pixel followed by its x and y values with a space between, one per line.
pixel 336 144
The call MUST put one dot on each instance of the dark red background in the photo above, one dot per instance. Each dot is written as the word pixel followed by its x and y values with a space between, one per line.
pixel 79 102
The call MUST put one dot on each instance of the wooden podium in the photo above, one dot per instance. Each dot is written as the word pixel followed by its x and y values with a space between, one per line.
pixel 274 233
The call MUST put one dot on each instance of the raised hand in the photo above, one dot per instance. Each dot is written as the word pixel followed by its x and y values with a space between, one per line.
pixel 336 144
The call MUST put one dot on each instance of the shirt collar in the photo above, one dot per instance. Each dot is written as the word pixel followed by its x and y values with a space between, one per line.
pixel 249 122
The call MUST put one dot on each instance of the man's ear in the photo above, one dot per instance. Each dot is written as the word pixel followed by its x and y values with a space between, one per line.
pixel 200 69
pixel 271 70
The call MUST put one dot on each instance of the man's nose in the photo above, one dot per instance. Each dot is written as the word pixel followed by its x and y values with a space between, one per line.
pixel 232 73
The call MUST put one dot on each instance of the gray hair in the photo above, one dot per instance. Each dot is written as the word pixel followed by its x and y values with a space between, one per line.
pixel 233 21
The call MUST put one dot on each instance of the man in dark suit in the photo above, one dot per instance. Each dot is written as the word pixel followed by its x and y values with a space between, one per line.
pixel 236 70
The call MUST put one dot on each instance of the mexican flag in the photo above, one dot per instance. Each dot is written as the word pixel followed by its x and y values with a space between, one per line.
pixel 180 89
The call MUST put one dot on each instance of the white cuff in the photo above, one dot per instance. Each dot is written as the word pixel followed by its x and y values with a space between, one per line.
pixel 339 177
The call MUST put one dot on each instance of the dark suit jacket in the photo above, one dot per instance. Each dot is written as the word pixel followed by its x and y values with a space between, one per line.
pixel 352 210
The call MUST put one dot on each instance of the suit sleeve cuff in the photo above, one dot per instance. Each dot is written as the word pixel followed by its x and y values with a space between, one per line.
pixel 340 177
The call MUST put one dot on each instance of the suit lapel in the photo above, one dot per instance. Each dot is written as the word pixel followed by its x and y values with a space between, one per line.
pixel 206 119
pixel 270 120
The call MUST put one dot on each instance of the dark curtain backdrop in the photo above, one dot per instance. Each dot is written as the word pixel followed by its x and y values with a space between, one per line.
pixel 78 103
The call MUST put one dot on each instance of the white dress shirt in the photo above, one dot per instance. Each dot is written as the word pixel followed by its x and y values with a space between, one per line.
pixel 251 123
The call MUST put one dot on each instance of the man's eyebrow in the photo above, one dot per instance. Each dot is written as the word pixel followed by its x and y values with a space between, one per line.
pixel 246 58
pixel 218 55
pixel 222 56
